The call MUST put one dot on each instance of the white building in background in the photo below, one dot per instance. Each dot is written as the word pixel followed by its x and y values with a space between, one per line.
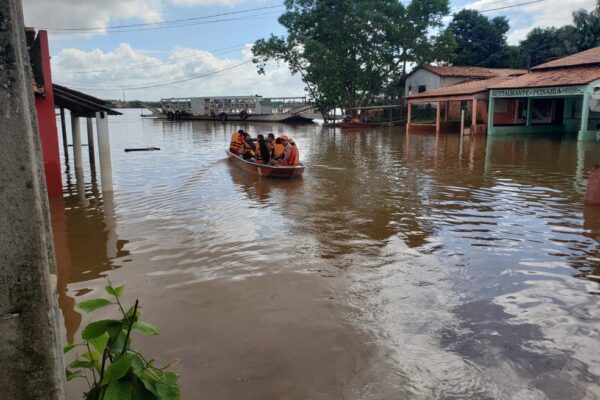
pixel 430 77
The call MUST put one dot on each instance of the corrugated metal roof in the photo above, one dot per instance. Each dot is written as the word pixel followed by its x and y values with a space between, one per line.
pixel 587 57
pixel 462 89
pixel 471 72
pixel 552 77
pixel 79 103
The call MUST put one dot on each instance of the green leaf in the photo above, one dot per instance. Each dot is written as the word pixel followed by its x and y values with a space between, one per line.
pixel 115 291
pixel 114 330
pixel 116 345
pixel 98 328
pixel 145 328
pixel 93 304
pixel 70 347
pixel 99 342
pixel 117 369
pixel 91 356
pixel 82 364
pixel 149 380
pixel 118 391
pixel 72 375
pixel 168 391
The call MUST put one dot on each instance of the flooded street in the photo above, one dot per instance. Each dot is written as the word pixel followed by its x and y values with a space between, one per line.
pixel 397 267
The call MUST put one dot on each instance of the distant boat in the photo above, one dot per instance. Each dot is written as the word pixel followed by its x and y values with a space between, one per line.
pixel 239 109
pixel 269 171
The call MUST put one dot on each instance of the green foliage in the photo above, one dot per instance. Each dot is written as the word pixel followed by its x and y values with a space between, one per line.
pixel 480 41
pixel 113 370
pixel 542 44
pixel 348 51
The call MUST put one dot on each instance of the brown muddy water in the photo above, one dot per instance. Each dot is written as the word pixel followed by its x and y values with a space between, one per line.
pixel 398 267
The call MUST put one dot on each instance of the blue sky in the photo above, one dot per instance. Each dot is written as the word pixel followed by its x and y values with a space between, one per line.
pixel 101 62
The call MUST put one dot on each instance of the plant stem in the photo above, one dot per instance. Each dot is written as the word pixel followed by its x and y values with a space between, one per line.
pixel 135 307
pixel 91 360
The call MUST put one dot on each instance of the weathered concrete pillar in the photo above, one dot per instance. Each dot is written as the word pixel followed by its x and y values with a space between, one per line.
pixel 491 107
pixel 31 364
pixel 76 133
pixel 104 151
pixel 585 114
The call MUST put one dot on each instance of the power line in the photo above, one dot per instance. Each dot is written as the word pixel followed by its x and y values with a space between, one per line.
pixel 168 83
pixel 511 6
pixel 160 24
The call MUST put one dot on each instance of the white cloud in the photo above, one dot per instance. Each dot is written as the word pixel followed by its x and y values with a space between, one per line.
pixel 524 18
pixel 113 69
pixel 86 13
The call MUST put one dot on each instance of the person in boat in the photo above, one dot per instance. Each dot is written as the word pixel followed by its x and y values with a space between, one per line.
pixel 270 142
pixel 261 151
pixel 291 155
pixel 248 147
pixel 236 145
pixel 278 152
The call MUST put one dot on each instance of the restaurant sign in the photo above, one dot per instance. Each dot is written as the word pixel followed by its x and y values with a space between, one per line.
pixel 540 92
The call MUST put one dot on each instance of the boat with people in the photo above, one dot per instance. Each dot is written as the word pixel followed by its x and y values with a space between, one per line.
pixel 270 171
pixel 269 157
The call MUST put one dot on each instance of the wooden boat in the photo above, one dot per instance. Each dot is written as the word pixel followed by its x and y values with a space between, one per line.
pixel 266 170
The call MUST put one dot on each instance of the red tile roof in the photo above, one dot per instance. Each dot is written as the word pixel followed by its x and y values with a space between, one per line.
pixel 588 57
pixel 552 77
pixel 462 89
pixel 471 72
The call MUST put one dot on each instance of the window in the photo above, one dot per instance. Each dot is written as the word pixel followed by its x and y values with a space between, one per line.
pixel 422 88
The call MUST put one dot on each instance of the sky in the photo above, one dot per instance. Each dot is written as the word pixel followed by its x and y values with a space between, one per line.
pixel 205 56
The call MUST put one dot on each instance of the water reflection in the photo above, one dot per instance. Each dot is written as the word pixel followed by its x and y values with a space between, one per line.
pixel 86 241
pixel 418 267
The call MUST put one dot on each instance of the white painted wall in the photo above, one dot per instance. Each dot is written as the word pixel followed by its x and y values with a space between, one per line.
pixel 428 79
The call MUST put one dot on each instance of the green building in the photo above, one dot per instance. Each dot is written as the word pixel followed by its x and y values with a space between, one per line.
pixel 554 97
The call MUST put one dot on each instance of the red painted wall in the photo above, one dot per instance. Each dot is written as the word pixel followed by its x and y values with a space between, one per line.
pixel 47 123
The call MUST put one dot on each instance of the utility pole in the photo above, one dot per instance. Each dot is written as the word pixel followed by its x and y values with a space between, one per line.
pixel 31 365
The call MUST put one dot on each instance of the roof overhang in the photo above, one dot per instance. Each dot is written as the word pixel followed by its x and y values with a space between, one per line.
pixel 80 104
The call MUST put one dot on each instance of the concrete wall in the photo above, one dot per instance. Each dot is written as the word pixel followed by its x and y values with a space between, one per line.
pixel 31 364
pixel 420 78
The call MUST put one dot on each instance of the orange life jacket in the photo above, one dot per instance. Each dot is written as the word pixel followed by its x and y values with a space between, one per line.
pixel 294 158
pixel 237 143
pixel 295 154
pixel 278 150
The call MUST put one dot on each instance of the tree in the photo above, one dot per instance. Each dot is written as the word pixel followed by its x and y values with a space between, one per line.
pixel 480 41
pixel 348 51
pixel 544 43
pixel 587 27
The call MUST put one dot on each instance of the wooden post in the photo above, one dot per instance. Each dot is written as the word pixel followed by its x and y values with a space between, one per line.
pixel 529 112
pixel 30 342
pixel 437 118
pixel 90 136
pixel 447 110
pixel 474 117
pixel 462 123
pixel 63 125
pixel 408 116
